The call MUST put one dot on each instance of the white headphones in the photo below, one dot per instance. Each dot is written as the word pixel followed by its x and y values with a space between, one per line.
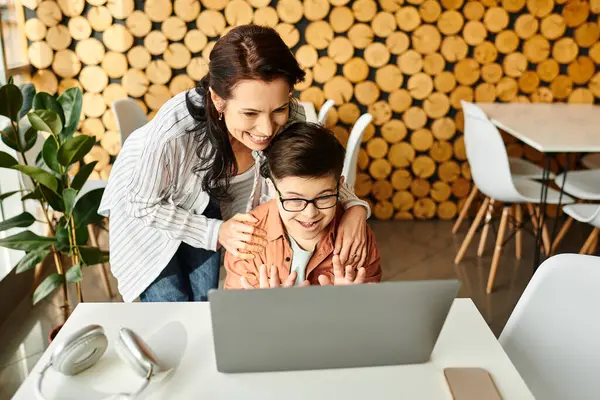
pixel 85 347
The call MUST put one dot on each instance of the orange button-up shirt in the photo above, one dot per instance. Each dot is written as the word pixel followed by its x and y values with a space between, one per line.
pixel 278 252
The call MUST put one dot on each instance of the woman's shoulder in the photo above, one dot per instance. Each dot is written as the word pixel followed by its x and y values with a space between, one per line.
pixel 174 119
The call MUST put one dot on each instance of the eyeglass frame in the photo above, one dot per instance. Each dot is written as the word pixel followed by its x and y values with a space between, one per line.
pixel 307 202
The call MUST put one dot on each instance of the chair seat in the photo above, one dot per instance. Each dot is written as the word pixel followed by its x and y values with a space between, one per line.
pixel 531 191
pixel 581 184
pixel 588 213
pixel 591 161
pixel 526 169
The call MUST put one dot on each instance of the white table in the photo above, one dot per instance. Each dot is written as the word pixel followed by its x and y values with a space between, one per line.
pixel 309 110
pixel 184 329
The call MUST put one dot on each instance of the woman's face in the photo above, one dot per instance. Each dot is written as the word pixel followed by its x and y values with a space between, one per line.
pixel 256 111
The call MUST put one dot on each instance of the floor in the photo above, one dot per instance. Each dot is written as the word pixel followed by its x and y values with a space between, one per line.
pixel 410 250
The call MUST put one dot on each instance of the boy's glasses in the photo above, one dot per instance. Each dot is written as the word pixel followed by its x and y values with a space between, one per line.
pixel 297 205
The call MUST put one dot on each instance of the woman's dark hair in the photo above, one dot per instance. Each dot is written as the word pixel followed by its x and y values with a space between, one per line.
pixel 304 149
pixel 247 52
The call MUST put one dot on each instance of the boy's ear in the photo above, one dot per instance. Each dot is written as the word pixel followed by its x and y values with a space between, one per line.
pixel 342 180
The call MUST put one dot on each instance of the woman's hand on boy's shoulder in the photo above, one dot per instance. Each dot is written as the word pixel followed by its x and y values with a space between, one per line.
pixel 343 276
pixel 265 281
pixel 351 237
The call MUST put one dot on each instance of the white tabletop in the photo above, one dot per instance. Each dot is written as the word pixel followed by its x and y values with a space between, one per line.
pixel 549 128
pixel 310 111
pixel 180 333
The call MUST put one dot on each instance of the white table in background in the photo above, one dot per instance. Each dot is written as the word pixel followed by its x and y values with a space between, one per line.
pixel 465 341
pixel 309 110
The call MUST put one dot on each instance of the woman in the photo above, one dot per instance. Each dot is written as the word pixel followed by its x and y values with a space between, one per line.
pixel 198 157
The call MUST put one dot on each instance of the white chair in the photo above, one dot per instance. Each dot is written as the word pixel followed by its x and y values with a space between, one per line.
pixel 129 115
pixel 352 148
pixel 552 336
pixel 589 214
pixel 491 173
pixel 322 117
pixel 591 161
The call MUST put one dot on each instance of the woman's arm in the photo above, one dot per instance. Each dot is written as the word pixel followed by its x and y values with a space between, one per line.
pixel 351 236
pixel 348 199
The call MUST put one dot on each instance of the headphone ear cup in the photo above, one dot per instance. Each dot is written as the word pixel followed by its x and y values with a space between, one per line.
pixel 80 351
pixel 137 354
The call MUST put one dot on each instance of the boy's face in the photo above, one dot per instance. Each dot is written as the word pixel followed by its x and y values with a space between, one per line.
pixel 310 222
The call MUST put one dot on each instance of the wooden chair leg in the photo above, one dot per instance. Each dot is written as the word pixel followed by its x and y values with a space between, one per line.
pixel 465 209
pixel 593 247
pixel 519 234
pixel 472 229
pixel 486 229
pixel 103 266
pixel 589 242
pixel 497 250
pixel 561 234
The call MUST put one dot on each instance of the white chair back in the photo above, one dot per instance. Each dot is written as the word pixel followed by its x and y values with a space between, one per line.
pixel 552 336
pixel 353 146
pixel 322 118
pixel 129 115
pixel 487 156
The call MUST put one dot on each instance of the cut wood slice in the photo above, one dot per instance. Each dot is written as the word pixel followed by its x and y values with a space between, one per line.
pixel 319 34
pixel 454 49
pixel 465 170
pixel 58 37
pixel 536 49
pixel 426 39
pixel 117 38
pixel 414 118
pixel 156 42
pixel 485 93
pixel 120 9
pixel 441 151
pixel 485 53
pixel 445 82
pixel 400 100
pixel 423 167
pixel 507 42
pixel 401 155
pixel 383 210
pixel 159 72
pixel 211 23
pixel 349 113
pixel 450 22
pixel 430 11
pixel 377 148
pixel 401 179
pixel 491 73
pixel 360 35
pixel 93 104
pixel 307 82
pixel 158 10
pixel 187 10
pixel 289 34
pixel 40 55
pixel 290 11
pixel 112 93
pixel 594 53
pixel 207 50
pixel 540 8
pixel 68 83
pixel 363 185
pixel 515 65
pixel 49 13
pixel 139 57
pixel 180 83
pixel 266 16
pixel 420 85
pixel 440 191
pixel 507 89
pixel 434 64
pixel 513 5
pixel 115 64
pixel 449 171
pixel 389 78
pixel 380 168
pixel 384 24
pixel 452 4
pixel 581 96
pixel 542 95
pixel 177 56
pixel 174 28
pixel 364 10
pixel 408 18
pixel 45 81
pixel 332 120
pixel 135 82
pixel 66 64
pixel 99 18
pixel 459 119
pixel 142 105
pixel 420 188
pixel 98 154
pixel 90 51
pixel 338 89
pixel 79 28
pixel 403 200
pixel 381 112
pixel 377 55
pixel 35 29
pixel 215 4
pixel 156 96
pixel 340 50
pixel 529 82
pixel 390 5
pixel 576 12
pixel 437 105
pixel 341 135
pixel 314 95
pixel 93 79
pixel 474 33
pixel 138 24
pixel 421 139
pixel 547 70
pixel 447 210
pixel 93 127
pixel 495 19
pixel 467 71
pixel 565 50
pixel 461 93
pixel 526 26
pixel 461 188
pixel 393 131
pixel 316 10
pixel 109 120
pixel 587 34
pixel 580 71
pixel 324 70
pixel 397 43
pixel 561 87
pixel 473 11
pixel 307 56
pixel 341 19
pixel 410 62
pixel 30 4
pixel 595 6
pixel 553 26
pixel 443 128
pixel 356 70
pixel 238 12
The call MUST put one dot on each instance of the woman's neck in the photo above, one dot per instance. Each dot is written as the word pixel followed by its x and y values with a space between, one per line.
pixel 243 155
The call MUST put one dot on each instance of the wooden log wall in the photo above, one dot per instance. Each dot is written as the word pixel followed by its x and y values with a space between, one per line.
pixel 407 62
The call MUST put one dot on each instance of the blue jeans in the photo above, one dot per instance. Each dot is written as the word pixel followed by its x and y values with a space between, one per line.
pixel 190 274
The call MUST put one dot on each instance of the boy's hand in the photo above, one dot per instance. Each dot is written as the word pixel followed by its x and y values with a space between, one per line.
pixel 266 282
pixel 341 276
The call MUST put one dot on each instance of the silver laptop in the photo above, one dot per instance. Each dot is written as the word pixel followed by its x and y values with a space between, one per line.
pixel 317 327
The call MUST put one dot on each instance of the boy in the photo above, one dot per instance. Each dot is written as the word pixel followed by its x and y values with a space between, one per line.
pixel 304 166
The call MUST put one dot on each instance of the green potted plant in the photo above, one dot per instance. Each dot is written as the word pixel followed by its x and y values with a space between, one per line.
pixel 66 209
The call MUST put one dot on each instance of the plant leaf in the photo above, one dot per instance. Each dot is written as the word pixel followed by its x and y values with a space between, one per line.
pixel 46 121
pixel 31 259
pixel 83 174
pixel 45 101
pixel 74 275
pixel 30 138
pixel 71 102
pixel 92 255
pixel 48 285
pixel 22 220
pixel 9 137
pixel 6 160
pixel 74 149
pixel 49 152
pixel 28 91
pixel 39 175
pixel 35 195
pixel 11 101
pixel 26 241
pixel 52 198
pixel 85 211
pixel 69 199
pixel 7 194
pixel 62 237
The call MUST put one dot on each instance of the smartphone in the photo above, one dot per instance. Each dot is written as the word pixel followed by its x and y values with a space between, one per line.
pixel 471 384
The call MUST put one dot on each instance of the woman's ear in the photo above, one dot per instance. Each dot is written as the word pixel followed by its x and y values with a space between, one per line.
pixel 217 101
